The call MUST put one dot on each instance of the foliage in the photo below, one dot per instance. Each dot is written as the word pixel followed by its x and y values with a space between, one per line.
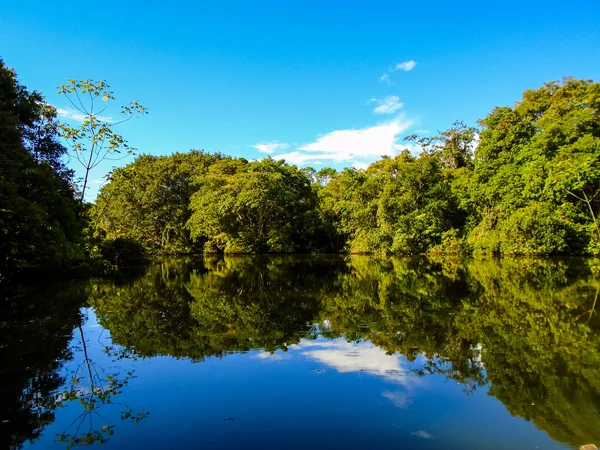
pixel 94 140
pixel 536 178
pixel 398 205
pixel 527 182
pixel 254 207
pixel 40 221
pixel 122 252
pixel 148 201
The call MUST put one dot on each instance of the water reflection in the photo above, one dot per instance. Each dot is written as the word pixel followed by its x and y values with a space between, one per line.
pixel 34 346
pixel 525 331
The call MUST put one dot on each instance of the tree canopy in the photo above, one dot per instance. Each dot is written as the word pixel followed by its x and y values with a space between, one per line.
pixel 40 222
pixel 526 182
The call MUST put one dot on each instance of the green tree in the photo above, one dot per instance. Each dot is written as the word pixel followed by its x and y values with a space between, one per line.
pixel 254 207
pixel 536 179
pixel 148 201
pixel 94 140
pixel 40 222
pixel 399 205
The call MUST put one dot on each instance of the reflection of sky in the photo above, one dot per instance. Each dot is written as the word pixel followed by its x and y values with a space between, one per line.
pixel 362 357
pixel 350 357
pixel 348 395
pixel 357 357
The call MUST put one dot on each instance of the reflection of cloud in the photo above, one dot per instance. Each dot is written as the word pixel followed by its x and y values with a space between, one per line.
pixel 362 357
pixel 422 434
pixel 399 399
pixel 278 356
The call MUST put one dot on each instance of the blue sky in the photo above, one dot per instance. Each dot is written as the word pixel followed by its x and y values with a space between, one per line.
pixel 320 83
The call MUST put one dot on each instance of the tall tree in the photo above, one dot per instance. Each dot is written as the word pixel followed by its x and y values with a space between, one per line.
pixel 94 140
pixel 536 182
pixel 39 219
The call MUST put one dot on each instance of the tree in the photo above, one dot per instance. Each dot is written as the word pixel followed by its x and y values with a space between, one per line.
pixel 402 205
pixel 94 140
pixel 254 207
pixel 453 146
pixel 40 222
pixel 149 201
pixel 537 177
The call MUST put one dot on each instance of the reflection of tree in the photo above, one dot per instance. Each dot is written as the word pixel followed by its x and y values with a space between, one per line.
pixel 92 386
pixel 41 371
pixel 407 306
pixel 541 355
pixel 221 305
pixel 35 330
pixel 523 325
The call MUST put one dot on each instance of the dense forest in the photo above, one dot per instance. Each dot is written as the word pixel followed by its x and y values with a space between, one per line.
pixel 525 181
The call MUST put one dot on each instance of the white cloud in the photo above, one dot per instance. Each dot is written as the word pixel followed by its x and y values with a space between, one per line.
pixel 387 105
pixel 353 146
pixel 277 356
pixel 422 434
pixel 385 78
pixel 270 147
pixel 399 399
pixel 406 66
pixel 362 357
pixel 360 166
pixel 76 116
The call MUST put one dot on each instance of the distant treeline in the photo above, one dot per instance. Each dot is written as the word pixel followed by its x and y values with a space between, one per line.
pixel 525 182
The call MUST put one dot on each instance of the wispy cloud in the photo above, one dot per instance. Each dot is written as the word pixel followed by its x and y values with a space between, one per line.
pixel 422 434
pixel 385 78
pixel 76 116
pixel 387 105
pixel 353 146
pixel 270 147
pixel 398 398
pixel 406 66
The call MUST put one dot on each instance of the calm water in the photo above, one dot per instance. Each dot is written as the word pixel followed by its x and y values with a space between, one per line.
pixel 305 352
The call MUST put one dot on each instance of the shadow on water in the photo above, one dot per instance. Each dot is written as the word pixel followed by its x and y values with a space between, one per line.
pixel 527 329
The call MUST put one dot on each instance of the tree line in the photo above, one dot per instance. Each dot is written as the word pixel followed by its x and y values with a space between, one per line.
pixel 525 181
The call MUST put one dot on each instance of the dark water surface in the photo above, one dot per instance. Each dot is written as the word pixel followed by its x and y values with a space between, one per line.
pixel 307 352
